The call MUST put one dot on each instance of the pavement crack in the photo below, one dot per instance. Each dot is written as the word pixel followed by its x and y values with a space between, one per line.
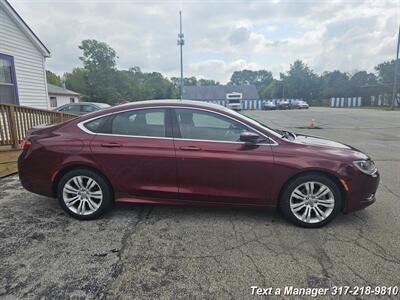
pixel 131 228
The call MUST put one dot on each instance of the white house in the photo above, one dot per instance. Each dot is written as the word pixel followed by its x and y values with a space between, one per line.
pixel 60 95
pixel 22 62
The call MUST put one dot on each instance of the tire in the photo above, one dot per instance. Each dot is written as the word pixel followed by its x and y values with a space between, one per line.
pixel 297 203
pixel 88 193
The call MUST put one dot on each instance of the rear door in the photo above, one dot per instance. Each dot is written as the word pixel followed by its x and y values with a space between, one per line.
pixel 214 166
pixel 135 149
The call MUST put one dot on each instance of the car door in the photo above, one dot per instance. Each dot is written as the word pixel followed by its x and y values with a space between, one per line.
pixel 213 165
pixel 135 149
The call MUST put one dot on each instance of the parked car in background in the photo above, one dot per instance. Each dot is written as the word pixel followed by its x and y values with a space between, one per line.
pixel 269 105
pixel 82 108
pixel 283 104
pixel 189 152
pixel 300 104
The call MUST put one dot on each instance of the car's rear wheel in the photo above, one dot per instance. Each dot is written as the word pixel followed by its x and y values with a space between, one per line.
pixel 84 194
pixel 311 200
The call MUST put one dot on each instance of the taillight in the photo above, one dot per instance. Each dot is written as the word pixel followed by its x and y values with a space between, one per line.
pixel 26 144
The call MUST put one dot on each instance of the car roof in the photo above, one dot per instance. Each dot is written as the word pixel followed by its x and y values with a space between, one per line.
pixel 172 102
pixel 85 103
pixel 158 103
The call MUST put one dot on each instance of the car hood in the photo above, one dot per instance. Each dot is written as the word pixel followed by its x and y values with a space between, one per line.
pixel 317 141
pixel 330 147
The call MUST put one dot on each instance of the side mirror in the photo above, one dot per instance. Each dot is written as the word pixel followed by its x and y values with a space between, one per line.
pixel 249 137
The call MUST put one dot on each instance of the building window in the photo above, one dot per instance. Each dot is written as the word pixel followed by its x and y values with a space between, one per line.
pixel 72 100
pixel 8 84
pixel 53 101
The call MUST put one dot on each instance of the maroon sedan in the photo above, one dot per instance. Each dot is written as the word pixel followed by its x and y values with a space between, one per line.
pixel 189 152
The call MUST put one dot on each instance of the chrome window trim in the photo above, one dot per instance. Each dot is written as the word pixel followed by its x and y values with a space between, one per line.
pixel 83 128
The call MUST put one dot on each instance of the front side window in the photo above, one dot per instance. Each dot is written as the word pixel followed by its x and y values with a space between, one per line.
pixel 143 122
pixel 202 125
pixel 8 89
pixel 65 108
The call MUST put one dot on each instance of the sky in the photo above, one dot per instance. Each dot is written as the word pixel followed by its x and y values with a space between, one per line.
pixel 220 36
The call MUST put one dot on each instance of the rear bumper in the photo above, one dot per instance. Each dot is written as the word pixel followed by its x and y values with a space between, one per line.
pixel 32 177
pixel 269 107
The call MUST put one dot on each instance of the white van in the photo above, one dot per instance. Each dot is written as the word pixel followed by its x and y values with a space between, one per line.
pixel 234 100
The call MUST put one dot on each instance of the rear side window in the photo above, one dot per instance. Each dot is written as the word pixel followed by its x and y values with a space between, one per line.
pixel 73 108
pixel 97 125
pixel 143 122
pixel 88 108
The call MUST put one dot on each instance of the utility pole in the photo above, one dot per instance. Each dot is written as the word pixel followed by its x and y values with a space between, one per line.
pixel 396 68
pixel 180 43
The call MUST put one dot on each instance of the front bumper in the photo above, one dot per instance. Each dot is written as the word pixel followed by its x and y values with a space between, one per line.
pixel 362 191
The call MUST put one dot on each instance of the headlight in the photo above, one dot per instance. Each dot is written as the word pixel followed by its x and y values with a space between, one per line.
pixel 365 166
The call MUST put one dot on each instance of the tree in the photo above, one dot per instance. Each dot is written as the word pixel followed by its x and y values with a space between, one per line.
pixel 359 81
pixel 97 55
pixel 99 80
pixel 76 81
pixel 53 78
pixel 204 82
pixel 190 81
pixel 300 81
pixel 334 84
pixel 272 90
pixel 187 81
pixel 258 78
pixel 386 72
pixel 99 61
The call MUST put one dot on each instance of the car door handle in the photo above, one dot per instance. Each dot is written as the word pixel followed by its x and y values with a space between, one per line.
pixel 111 145
pixel 190 148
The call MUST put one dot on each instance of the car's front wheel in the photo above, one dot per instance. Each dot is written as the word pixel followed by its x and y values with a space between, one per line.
pixel 84 194
pixel 311 200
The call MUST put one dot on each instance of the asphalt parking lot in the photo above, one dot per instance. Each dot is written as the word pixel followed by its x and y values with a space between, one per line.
pixel 143 251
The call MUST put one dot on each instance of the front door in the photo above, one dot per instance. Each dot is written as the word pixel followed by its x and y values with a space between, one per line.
pixel 135 149
pixel 214 166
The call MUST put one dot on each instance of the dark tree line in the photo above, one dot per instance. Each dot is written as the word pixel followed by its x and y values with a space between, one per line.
pixel 302 82
pixel 100 81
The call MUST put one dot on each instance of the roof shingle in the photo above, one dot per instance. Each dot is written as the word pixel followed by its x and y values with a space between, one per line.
pixel 58 90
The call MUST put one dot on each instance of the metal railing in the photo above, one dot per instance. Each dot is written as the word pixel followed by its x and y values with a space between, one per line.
pixel 15 121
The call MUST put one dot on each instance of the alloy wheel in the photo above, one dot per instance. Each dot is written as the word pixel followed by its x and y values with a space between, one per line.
pixel 82 195
pixel 312 202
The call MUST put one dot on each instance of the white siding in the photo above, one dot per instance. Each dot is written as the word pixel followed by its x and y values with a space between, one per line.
pixel 29 63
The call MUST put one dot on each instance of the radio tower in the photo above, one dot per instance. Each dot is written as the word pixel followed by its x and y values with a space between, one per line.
pixel 180 43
